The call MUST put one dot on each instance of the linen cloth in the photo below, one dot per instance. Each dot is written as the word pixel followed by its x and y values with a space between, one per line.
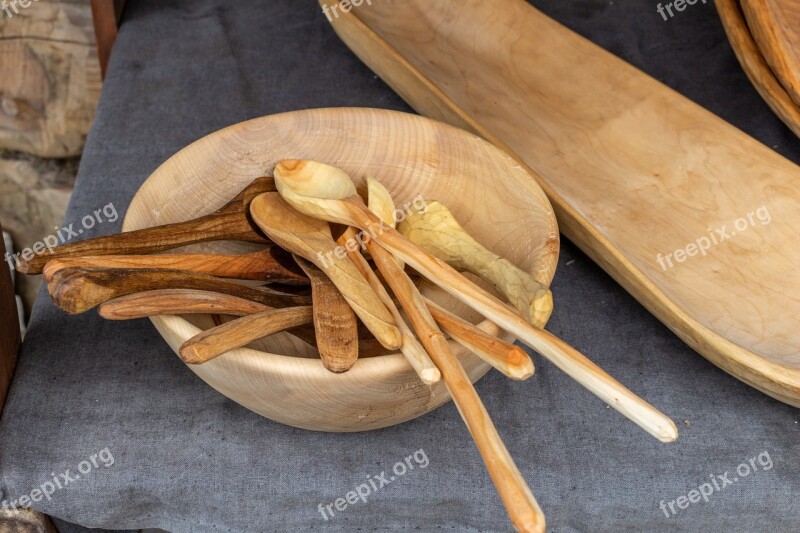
pixel 185 458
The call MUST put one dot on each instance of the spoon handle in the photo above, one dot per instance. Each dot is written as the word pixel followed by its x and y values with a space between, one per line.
pixel 413 351
pixel 335 321
pixel 225 226
pixel 77 289
pixel 518 499
pixel 509 359
pixel 272 264
pixel 216 341
pixel 567 358
pixel 177 302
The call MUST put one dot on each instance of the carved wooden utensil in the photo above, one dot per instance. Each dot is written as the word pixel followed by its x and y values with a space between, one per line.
pixel 77 289
pixel 231 222
pixel 435 230
pixel 517 497
pixel 328 193
pixel 507 358
pixel 311 238
pixel 411 349
pixel 216 341
pixel 335 321
pixel 272 264
pixel 775 25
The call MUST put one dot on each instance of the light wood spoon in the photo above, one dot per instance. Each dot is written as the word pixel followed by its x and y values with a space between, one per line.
pixel 216 341
pixel 413 351
pixel 231 222
pixel 335 322
pixel 271 265
pixel 311 238
pixel 328 193
pixel 518 499
pixel 77 290
pixel 507 358
pixel 435 230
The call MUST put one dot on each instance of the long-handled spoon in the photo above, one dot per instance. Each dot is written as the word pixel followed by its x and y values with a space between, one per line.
pixel 334 321
pixel 328 193
pixel 177 302
pixel 311 238
pixel 413 351
pixel 216 341
pixel 271 264
pixel 77 289
pixel 507 358
pixel 518 499
pixel 231 222
pixel 436 230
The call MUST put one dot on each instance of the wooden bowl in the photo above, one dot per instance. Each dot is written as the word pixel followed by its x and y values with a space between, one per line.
pixel 281 377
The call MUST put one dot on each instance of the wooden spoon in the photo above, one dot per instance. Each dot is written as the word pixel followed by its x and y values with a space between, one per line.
pixel 334 321
pixel 271 264
pixel 216 341
pixel 77 289
pixel 775 25
pixel 326 192
pixel 413 351
pixel 519 501
pixel 755 66
pixel 311 238
pixel 231 222
pixel 177 302
pixel 436 231
pixel 507 358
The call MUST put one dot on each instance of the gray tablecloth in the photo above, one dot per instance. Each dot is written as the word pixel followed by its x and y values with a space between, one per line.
pixel 155 447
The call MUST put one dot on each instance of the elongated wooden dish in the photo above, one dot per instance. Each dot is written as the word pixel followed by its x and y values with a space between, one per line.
pixel 755 66
pixel 635 171
pixel 283 378
pixel 775 25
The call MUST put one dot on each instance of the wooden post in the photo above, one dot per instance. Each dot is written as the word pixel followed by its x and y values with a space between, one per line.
pixel 9 327
pixel 106 15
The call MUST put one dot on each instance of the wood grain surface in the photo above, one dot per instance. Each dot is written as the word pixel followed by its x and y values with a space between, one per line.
pixel 755 66
pixel 775 26
pixel 637 173
pixel 486 189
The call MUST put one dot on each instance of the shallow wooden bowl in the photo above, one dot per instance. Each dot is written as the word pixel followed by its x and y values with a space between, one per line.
pixel 281 377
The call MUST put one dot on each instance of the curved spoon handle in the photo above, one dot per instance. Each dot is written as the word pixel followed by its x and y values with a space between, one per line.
pixel 177 302
pixel 216 341
pixel 78 289
pixel 228 223
pixel 413 351
pixel 519 501
pixel 335 322
pixel 273 265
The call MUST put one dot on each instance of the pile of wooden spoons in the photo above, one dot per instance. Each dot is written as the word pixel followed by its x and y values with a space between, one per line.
pixel 317 281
